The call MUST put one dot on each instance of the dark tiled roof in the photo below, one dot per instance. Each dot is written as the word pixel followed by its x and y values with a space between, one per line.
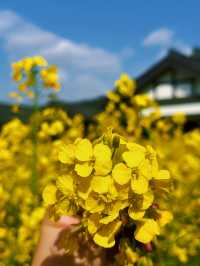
pixel 174 60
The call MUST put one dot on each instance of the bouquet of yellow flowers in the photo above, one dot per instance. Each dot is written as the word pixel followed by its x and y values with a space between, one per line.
pixel 114 187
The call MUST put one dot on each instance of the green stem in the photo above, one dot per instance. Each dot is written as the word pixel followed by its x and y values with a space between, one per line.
pixel 34 177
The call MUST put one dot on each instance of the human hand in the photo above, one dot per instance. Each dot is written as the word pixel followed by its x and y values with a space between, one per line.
pixel 48 254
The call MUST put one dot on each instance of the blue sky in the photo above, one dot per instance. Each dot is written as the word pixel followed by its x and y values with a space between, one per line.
pixel 92 42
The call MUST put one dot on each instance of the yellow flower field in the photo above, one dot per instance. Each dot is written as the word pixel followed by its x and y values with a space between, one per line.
pixel 132 179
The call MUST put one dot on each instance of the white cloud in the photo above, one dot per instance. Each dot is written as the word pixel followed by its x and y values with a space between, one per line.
pixel 127 53
pixel 162 36
pixel 165 39
pixel 183 47
pixel 8 19
pixel 86 71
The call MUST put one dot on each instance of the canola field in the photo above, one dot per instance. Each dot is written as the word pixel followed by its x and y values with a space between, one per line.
pixel 132 179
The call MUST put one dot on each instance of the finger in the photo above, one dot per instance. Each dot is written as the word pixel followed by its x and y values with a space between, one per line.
pixel 63 223
pixel 67 221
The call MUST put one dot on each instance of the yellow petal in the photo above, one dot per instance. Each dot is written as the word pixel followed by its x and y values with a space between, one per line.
pixel 135 214
pixel 145 169
pixel 105 237
pixel 84 187
pixel 84 150
pixel 102 152
pixel 133 158
pixel 108 219
pixel 165 218
pixel 113 190
pixel 122 191
pixel 3 232
pixel 163 175
pixel 147 200
pixel 67 154
pixel 39 60
pixel 84 169
pixel 146 231
pixel 65 184
pixel 154 167
pixel 94 205
pixel 131 255
pixel 49 194
pixel 103 240
pixel 135 147
pixel 114 212
pixel 153 159
pixel 181 253
pixel 93 223
pixel 139 185
pixel 100 184
pixel 121 173
pixel 102 167
pixel 64 207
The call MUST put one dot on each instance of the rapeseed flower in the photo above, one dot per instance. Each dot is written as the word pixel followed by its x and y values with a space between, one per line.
pixel 106 180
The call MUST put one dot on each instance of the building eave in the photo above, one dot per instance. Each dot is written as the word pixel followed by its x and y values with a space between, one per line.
pixel 173 61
